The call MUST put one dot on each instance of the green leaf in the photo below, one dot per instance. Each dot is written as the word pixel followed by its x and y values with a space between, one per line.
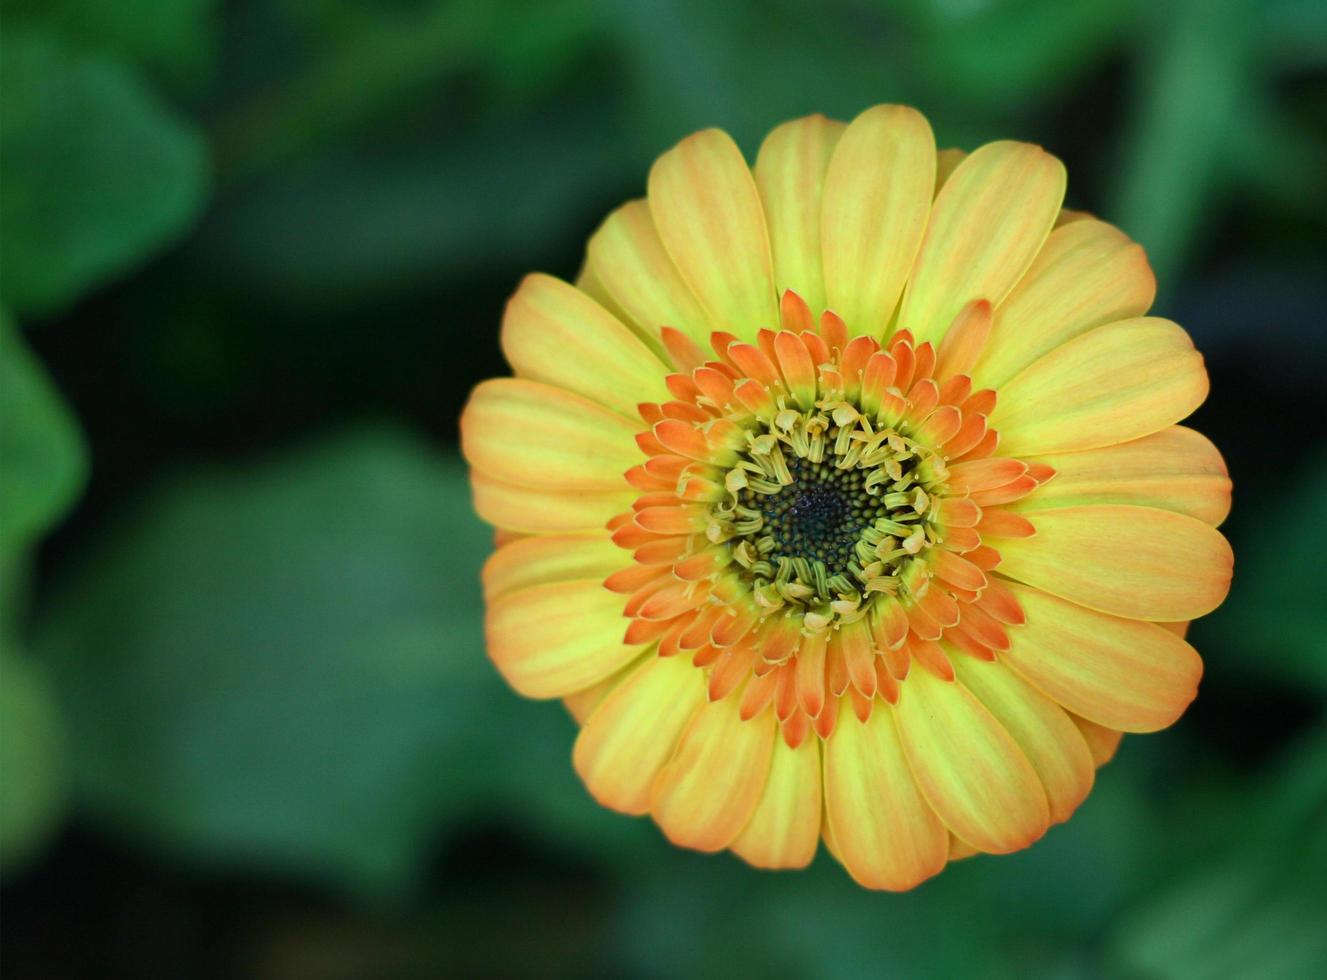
pixel 285 665
pixel 97 174
pixel 1018 51
pixel 171 37
pixel 1256 904
pixel 33 790
pixel 43 461
pixel 1197 65
pixel 1275 602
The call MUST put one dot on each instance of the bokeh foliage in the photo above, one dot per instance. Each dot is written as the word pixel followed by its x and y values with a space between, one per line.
pixel 258 252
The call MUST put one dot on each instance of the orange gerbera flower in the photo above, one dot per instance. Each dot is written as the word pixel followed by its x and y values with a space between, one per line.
pixel 911 535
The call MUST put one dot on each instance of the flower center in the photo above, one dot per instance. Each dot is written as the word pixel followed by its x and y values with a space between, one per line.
pixel 825 508
pixel 818 518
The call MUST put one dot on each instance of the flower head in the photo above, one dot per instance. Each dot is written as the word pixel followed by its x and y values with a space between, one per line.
pixel 844 499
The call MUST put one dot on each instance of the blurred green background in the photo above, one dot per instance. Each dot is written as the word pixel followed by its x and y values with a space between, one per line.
pixel 252 256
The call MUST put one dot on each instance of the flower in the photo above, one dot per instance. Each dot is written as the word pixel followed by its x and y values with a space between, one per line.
pixel 843 498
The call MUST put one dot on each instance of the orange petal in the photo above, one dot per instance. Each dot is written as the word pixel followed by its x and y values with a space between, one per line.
pixel 985 474
pixel 957 571
pixel 999 523
pixel 859 656
pixel 965 340
pixel 810 668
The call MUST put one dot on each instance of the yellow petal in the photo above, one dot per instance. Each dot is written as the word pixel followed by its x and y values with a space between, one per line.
pixel 533 434
pixel 534 510
pixel 877 197
pixel 946 162
pixel 1087 274
pixel 580 703
pixel 709 789
pixel 629 259
pixel 1137 562
pixel 589 282
pixel 1175 469
pixel 707 209
pixel 634 730
pixel 1068 216
pixel 554 333
pixel 785 829
pixel 554 639
pixel 968 767
pixel 1102 741
pixel 551 558
pixel 1112 384
pixel 790 175
pixel 959 849
pixel 1121 673
pixel 1042 729
pixel 883 830
pixel 988 223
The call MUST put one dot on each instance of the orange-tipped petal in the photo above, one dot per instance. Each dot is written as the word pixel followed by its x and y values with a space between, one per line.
pixel 553 639
pixel 1129 561
pixel 1045 733
pixel 884 832
pixel 1088 273
pixel 705 795
pixel 1121 673
pixel 798 370
pixel 785 828
pixel 708 213
pixel 1112 384
pixel 874 209
pixel 790 174
pixel 533 434
pixel 969 767
pixel 631 262
pixel 554 333
pixel 631 734
pixel 964 340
